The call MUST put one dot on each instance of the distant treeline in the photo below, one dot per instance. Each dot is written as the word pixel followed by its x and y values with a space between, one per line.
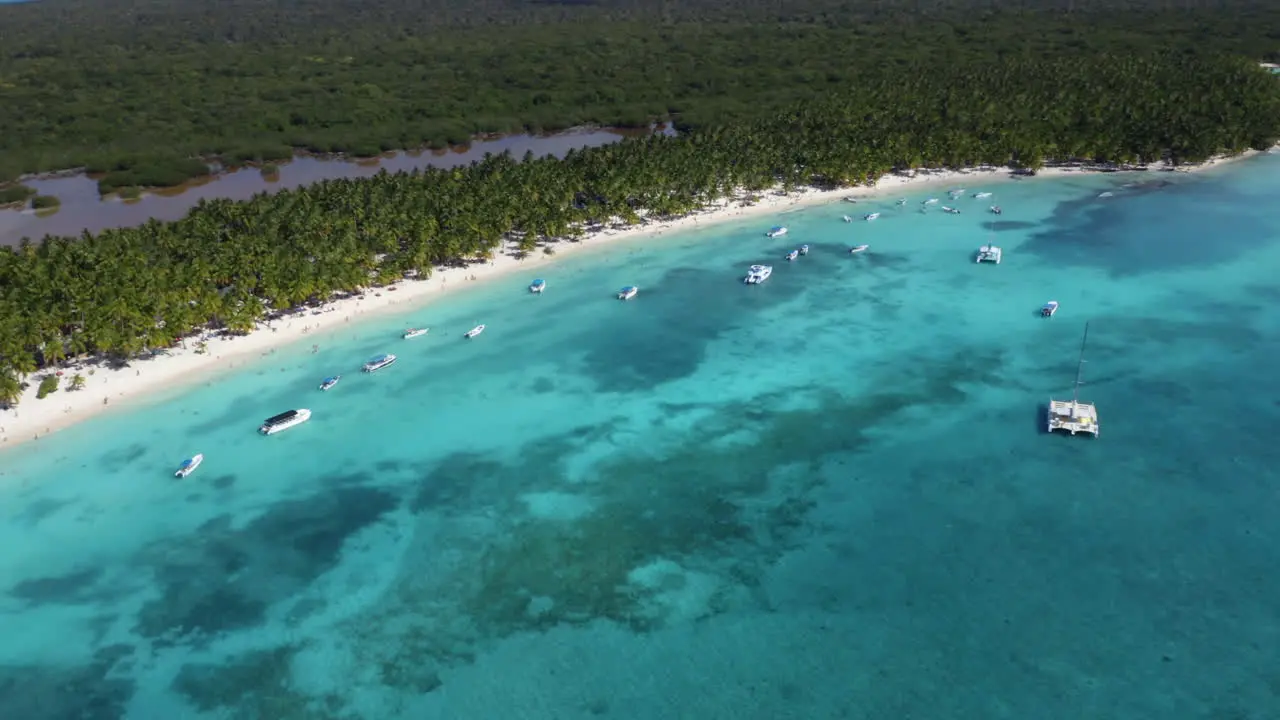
pixel 230 263
pixel 136 88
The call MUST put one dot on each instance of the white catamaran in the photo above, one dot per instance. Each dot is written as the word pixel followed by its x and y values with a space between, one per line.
pixel 1075 416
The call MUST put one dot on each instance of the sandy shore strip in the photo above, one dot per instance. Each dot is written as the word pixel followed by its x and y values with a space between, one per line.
pixel 106 389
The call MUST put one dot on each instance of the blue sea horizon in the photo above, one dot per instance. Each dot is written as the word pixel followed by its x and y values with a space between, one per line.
pixel 828 496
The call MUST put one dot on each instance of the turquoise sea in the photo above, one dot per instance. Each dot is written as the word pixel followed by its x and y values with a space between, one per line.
pixel 829 496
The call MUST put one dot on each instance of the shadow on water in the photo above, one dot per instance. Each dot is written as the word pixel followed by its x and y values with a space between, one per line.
pixel 1115 233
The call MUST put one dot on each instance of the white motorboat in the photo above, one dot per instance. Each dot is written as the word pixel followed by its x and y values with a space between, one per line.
pixel 1106 194
pixel 949 209
pixel 415 332
pixel 628 292
pixel 804 249
pixel 871 216
pixel 848 219
pixel 475 331
pixel 793 254
pixel 989 253
pixel 1049 309
pixel 379 362
pixel 995 210
pixel 537 286
pixel 982 195
pixel 778 231
pixel 930 201
pixel 757 274
pixel 329 382
pixel 857 249
pixel 189 465
pixel 284 421
pixel 956 193
pixel 902 202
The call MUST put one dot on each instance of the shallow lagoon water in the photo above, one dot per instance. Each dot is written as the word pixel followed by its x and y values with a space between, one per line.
pixel 825 497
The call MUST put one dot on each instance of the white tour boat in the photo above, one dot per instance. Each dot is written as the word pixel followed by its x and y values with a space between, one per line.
pixel 930 201
pixel 757 274
pixel 628 292
pixel 778 231
pixel 956 193
pixel 475 331
pixel 415 332
pixel 189 465
pixel 857 249
pixel 537 286
pixel 989 253
pixel 982 195
pixel 793 255
pixel 949 209
pixel 1049 309
pixel 848 219
pixel 804 249
pixel 995 210
pixel 902 202
pixel 284 421
pixel 329 382
pixel 871 216
pixel 378 363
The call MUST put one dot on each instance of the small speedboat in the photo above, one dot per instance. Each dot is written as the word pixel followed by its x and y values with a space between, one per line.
pixel 1106 194
pixel 995 210
pixel 757 274
pixel 474 331
pixel 378 363
pixel 793 254
pixel 415 332
pixel 804 249
pixel 930 201
pixel 949 209
pixel 871 216
pixel 330 382
pixel 189 465
pixel 848 219
pixel 902 202
pixel 1049 309
pixel 956 193
pixel 778 231
pixel 537 286
pixel 857 249
pixel 628 292
pixel 982 195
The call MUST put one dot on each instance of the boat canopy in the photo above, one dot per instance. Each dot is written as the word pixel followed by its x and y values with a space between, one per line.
pixel 378 358
pixel 280 418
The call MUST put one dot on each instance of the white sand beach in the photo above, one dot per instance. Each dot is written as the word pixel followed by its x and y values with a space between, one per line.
pixel 108 389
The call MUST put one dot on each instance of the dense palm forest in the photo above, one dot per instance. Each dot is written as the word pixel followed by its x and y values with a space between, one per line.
pixel 134 89
pixel 230 263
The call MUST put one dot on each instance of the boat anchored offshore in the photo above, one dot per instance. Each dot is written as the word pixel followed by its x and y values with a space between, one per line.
pixel 793 255
pixel 949 209
pixel 778 231
pixel 804 249
pixel 189 465
pixel 995 210
pixel 475 331
pixel 1049 309
pixel 415 332
pixel 329 382
pixel 537 286
pixel 871 216
pixel 757 274
pixel 379 362
pixel 848 219
pixel 955 193
pixel 284 421
pixel 930 201
pixel 1074 416
pixel 858 248
pixel 628 292
pixel 989 253
pixel 982 195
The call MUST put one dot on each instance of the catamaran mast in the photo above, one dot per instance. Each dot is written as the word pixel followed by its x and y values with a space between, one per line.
pixel 1075 397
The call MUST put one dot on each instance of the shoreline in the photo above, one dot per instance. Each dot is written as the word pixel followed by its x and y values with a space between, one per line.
pixel 108 389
